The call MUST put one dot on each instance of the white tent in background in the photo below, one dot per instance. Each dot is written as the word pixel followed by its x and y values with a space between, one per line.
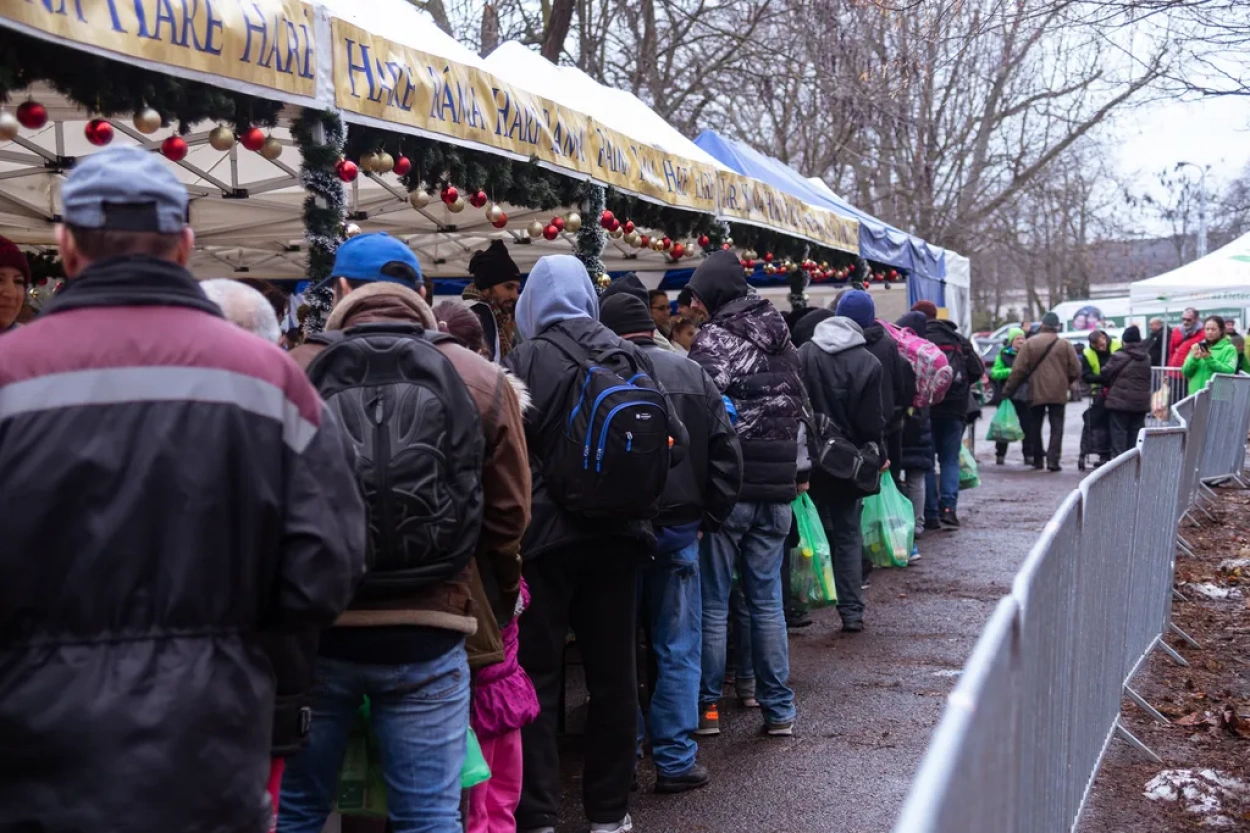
pixel 1223 275
pixel 958 290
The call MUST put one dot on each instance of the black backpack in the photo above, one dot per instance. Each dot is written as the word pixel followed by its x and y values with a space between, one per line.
pixel 607 449
pixel 420 451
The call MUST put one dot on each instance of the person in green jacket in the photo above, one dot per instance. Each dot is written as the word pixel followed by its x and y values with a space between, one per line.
pixel 1024 410
pixel 1214 354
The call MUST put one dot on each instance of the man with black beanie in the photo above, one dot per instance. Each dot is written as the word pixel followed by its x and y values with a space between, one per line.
pixel 631 284
pixel 493 295
pixel 700 493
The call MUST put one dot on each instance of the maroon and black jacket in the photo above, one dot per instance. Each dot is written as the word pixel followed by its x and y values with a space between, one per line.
pixel 170 487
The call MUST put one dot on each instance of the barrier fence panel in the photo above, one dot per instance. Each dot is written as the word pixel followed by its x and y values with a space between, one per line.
pixel 1223 450
pixel 967 780
pixel 1045 589
pixel 1193 412
pixel 1167 387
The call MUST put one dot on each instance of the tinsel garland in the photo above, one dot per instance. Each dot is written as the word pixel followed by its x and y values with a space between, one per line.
pixel 591 237
pixel 323 207
pixel 673 222
pixel 112 88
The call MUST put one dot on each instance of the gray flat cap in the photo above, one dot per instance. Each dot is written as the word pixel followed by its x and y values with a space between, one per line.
pixel 124 189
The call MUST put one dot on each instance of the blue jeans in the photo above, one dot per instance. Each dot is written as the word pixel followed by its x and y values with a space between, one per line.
pixel 420 716
pixel 740 614
pixel 673 609
pixel 948 434
pixel 751 539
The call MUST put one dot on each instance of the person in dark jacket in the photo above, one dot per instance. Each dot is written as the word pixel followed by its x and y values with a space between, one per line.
pixel 1156 342
pixel 699 495
pixel 579 571
pixel 1127 378
pixel 948 419
pixel 406 650
pixel 917 441
pixel 631 284
pixel 492 297
pixel 173 488
pixel 846 385
pixel 746 350
pixel 1097 422
pixel 898 381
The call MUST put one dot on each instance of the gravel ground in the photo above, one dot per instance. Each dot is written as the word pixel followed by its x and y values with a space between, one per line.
pixel 867 703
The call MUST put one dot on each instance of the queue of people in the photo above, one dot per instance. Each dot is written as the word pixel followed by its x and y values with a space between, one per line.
pixel 221 553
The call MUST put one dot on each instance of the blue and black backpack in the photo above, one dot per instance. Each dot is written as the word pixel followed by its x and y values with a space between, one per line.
pixel 607 455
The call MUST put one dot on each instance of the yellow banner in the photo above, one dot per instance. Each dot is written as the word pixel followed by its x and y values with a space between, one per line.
pixel 747 199
pixel 383 80
pixel 269 43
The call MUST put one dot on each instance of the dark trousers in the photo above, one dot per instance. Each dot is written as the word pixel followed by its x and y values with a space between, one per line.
pixel 1024 412
pixel 894 452
pixel 1125 425
pixel 1055 450
pixel 840 517
pixel 593 587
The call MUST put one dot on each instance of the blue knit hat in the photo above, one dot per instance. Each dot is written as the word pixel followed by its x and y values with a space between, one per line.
pixel 857 305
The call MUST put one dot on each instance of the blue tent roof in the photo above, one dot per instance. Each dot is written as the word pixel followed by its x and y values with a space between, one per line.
pixel 878 240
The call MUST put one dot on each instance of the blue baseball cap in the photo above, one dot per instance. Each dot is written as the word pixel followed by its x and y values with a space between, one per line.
pixel 124 189
pixel 376 257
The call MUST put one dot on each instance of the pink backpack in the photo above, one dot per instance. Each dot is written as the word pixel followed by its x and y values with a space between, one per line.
pixel 933 370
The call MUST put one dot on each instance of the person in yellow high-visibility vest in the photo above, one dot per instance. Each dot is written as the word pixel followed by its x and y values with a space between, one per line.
pixel 1095 435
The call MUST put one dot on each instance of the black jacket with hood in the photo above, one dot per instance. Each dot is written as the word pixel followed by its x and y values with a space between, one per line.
pixel 846 383
pixel 1127 377
pixel 746 350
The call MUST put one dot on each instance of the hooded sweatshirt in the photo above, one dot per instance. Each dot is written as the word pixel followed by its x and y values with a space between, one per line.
pixel 845 383
pixel 558 296
pixel 745 348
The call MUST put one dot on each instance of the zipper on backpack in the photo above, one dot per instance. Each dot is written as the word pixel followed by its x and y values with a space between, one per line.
pixel 581 399
pixel 629 440
pixel 594 411
pixel 381 463
pixel 607 421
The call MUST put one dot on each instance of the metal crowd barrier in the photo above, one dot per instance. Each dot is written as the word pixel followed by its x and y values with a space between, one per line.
pixel 1167 387
pixel 1026 728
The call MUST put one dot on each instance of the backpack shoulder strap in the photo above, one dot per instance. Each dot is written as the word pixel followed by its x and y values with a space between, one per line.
pixel 325 337
pixel 570 348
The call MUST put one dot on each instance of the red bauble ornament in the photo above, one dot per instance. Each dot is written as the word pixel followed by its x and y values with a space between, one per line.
pixel 850 268
pixel 551 232
pixel 678 251
pixel 174 148
pixel 449 194
pixel 628 227
pixel 558 222
pixel 893 274
pixel 402 165
pixel 865 284
pixel 32 115
pixel 347 170
pixel 768 257
pixel 748 264
pixel 704 241
pixel 98 132
pixel 666 244
pixel 478 199
pixel 501 222
pixel 644 241
pixel 615 225
pixel 724 247
pixel 253 138
pixel 606 219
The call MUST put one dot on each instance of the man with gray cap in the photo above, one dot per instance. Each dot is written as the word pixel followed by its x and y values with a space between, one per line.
pixel 173 487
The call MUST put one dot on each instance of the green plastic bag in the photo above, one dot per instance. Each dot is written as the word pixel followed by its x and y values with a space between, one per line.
pixel 969 475
pixel 475 769
pixel 812 554
pixel 1005 426
pixel 888 526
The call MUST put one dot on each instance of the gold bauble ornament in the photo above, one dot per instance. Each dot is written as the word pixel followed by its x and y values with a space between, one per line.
pixel 603 280
pixel 271 149
pixel 368 162
pixel 351 230
pixel 657 245
pixel 419 199
pixel 494 213
pixel 9 126
pixel 534 230
pixel 824 264
pixel 572 222
pixel 148 121
pixel 385 163
pixel 457 206
pixel 616 234
pixel 221 138
pixel 634 239
pixel 729 241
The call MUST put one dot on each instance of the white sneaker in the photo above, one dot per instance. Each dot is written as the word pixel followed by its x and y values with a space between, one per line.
pixel 625 825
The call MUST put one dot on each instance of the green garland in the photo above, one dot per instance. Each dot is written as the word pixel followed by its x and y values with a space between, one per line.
pixel 112 88
pixel 323 207
pixel 591 237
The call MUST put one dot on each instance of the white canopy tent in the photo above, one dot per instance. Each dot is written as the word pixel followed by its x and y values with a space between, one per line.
pixel 1223 275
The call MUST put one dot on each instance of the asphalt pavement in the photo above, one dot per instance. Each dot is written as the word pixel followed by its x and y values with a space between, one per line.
pixel 867 703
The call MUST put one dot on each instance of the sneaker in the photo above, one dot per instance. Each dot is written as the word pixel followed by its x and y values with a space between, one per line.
pixel 949 518
pixel 853 626
pixel 1058 468
pixel 779 730
pixel 932 523
pixel 749 702
pixel 796 619
pixel 1000 459
pixel 625 825
pixel 696 777
pixel 1039 465
pixel 709 721
pixel 915 554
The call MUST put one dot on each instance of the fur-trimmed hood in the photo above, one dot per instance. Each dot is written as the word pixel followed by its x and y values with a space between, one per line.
pixel 521 390
pixel 381 301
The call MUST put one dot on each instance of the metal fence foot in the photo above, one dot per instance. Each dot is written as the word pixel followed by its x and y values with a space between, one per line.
pixel 1145 706
pixel 1184 547
pixel 1135 743
pixel 1171 652
pixel 1193 643
pixel 1178 596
